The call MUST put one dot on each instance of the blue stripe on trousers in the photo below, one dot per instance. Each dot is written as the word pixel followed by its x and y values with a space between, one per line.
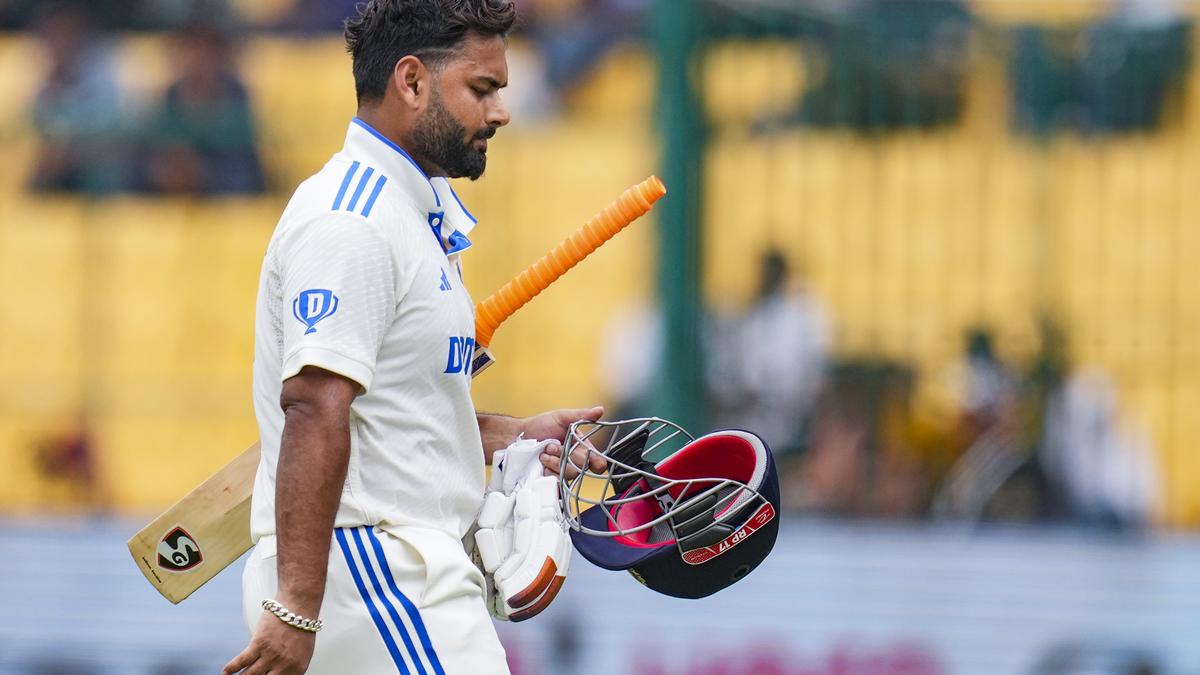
pixel 391 609
pixel 409 607
pixel 375 616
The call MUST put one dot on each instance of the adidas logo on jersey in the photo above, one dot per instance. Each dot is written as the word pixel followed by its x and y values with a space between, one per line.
pixel 445 286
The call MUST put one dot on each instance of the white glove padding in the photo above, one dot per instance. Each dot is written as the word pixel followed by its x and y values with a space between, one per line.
pixel 522 541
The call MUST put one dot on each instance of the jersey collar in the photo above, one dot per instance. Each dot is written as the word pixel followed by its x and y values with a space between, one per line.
pixel 432 195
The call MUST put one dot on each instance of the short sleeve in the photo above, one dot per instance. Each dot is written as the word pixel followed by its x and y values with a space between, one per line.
pixel 338 281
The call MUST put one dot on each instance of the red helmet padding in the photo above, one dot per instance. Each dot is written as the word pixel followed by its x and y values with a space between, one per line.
pixel 717 455
pixel 636 513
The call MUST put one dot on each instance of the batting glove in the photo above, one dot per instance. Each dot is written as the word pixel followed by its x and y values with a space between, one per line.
pixel 521 542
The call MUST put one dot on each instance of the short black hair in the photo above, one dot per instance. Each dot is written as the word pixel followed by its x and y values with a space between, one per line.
pixel 386 31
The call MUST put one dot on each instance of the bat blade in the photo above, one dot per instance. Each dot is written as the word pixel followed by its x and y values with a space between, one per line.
pixel 200 535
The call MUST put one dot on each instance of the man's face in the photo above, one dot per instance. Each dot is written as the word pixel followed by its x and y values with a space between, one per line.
pixel 464 108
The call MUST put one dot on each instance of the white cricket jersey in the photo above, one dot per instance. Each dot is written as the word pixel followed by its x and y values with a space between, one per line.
pixel 362 278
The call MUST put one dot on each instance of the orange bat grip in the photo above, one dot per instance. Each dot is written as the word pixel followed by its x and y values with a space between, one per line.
pixel 631 205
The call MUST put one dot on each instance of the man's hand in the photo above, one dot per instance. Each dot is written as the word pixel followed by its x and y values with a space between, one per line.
pixel 553 425
pixel 276 648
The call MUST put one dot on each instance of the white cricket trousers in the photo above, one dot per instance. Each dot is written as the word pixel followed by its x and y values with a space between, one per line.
pixel 407 600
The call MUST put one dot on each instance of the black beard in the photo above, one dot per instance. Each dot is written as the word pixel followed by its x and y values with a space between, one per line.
pixel 438 138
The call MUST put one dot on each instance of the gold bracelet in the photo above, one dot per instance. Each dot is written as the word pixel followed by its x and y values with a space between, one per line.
pixel 291 618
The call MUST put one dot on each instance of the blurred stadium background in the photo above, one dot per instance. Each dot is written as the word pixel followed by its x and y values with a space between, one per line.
pixel 942 254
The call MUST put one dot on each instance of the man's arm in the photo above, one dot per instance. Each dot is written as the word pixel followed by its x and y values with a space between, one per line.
pixel 499 431
pixel 313 455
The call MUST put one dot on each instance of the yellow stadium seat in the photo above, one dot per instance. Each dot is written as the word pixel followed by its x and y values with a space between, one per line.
pixel 45 259
pixel 18 81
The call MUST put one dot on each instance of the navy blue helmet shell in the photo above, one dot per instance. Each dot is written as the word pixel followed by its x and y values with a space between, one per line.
pixel 686 517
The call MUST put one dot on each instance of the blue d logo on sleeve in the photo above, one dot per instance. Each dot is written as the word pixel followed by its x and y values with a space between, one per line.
pixel 313 305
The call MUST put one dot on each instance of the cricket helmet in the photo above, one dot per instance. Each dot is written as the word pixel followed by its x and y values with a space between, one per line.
pixel 685 516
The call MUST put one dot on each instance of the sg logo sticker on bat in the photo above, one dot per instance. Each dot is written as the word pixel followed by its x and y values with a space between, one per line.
pixel 178 551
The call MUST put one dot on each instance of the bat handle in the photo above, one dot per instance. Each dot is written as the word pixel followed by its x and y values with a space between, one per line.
pixel 480 360
pixel 631 205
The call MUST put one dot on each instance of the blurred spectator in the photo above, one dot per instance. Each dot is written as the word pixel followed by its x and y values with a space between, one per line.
pixel 69 461
pixel 310 16
pixel 986 389
pixel 769 364
pixel 987 469
pixel 901 476
pixel 884 64
pixel 76 111
pixel 118 14
pixel 1115 75
pixel 202 137
pixel 1057 450
pixel 830 478
pixel 572 36
pixel 168 14
pixel 1099 469
pixel 988 386
pixel 1102 468
pixel 15 13
pixel 865 453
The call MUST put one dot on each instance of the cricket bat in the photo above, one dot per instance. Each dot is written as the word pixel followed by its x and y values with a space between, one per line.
pixel 207 530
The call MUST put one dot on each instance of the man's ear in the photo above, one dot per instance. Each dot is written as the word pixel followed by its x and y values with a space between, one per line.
pixel 412 81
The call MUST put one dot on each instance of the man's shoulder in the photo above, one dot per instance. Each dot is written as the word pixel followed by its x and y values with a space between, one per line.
pixel 343 185
pixel 344 204
pixel 348 186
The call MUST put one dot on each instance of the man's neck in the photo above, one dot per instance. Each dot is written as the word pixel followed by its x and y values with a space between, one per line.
pixel 398 134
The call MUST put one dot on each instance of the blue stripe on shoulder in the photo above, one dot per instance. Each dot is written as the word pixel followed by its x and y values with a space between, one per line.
pixel 409 607
pixel 362 591
pixel 374 195
pixel 337 201
pixel 362 185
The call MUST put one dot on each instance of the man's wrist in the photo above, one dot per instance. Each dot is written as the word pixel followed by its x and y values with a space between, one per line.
pixel 301 603
pixel 498 431
pixel 298 621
